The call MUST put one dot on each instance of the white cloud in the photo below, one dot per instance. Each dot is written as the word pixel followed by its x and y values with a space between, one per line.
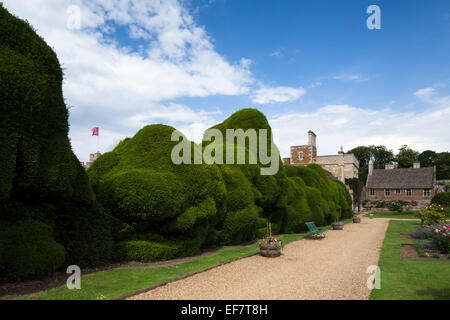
pixel 337 125
pixel 266 95
pixel 424 93
pixel 427 95
pixel 107 81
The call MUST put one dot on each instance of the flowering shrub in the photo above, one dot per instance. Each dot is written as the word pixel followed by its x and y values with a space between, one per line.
pixel 392 205
pixel 441 236
pixel 433 214
pixel 438 235
pixel 423 232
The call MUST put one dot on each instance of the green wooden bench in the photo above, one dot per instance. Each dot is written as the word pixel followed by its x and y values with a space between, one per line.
pixel 316 233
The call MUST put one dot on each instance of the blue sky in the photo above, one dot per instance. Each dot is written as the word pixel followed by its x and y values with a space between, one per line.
pixel 305 64
pixel 299 43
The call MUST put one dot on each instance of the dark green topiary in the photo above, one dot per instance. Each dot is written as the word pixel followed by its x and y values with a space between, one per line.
pixel 190 206
pixel 27 250
pixel 146 251
pixel 297 211
pixel 156 200
pixel 327 199
pixel 240 226
pixel 269 192
pixel 41 178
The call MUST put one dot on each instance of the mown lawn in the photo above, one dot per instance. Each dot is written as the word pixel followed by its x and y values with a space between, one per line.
pixel 117 283
pixel 393 214
pixel 409 279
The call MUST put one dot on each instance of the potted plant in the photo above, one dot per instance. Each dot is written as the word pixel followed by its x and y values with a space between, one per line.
pixel 356 219
pixel 270 246
pixel 338 225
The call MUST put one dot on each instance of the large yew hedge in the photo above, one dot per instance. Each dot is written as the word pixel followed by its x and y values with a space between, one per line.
pixel 136 203
pixel 167 210
pixel 41 180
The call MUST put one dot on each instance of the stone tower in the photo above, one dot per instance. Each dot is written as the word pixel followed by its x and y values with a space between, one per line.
pixel 305 154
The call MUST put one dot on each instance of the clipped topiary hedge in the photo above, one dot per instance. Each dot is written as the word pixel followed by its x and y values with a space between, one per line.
pixel 148 208
pixel 191 206
pixel 297 210
pixel 240 226
pixel 149 194
pixel 146 251
pixel 27 250
pixel 328 199
pixel 41 178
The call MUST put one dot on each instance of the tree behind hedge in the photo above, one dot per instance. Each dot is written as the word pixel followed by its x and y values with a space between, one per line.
pixel 442 198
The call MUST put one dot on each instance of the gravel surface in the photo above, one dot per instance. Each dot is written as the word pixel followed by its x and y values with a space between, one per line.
pixel 332 268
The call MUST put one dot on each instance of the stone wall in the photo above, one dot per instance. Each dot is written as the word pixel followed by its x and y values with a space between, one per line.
pixel 342 166
pixel 417 195
pixel 309 154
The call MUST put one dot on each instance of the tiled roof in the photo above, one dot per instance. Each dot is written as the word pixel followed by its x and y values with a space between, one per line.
pixel 420 178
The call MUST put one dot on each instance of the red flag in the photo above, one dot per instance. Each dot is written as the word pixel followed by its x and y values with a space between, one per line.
pixel 95 131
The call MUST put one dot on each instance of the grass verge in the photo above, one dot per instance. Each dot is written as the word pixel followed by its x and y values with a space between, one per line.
pixel 120 282
pixel 393 214
pixel 403 279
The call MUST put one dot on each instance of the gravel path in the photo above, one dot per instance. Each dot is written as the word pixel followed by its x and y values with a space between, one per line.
pixel 332 268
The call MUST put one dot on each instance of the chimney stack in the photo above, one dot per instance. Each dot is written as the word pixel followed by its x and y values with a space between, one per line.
pixel 370 166
pixel 311 138
pixel 416 165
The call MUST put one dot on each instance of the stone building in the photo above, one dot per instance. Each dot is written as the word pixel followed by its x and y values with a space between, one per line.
pixel 342 166
pixel 92 158
pixel 410 184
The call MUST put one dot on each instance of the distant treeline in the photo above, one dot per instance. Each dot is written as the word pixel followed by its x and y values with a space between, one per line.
pixel 405 159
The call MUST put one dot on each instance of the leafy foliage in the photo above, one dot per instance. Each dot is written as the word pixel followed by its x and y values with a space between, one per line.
pixel 187 207
pixel 156 200
pixel 431 215
pixel 148 208
pixel 41 178
pixel 442 163
pixel 427 158
pixel 381 154
pixel 406 157
pixel 442 198
pixel 392 205
pixel 27 250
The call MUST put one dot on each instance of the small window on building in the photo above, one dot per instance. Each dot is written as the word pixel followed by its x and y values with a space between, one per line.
pixel 372 192
pixel 300 155
pixel 426 192
pixel 398 191
pixel 408 192
pixel 387 192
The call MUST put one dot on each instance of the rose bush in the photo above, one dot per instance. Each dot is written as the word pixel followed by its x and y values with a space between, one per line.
pixel 441 237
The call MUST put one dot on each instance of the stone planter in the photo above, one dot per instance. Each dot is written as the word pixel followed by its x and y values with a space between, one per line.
pixel 338 226
pixel 271 249
pixel 356 219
